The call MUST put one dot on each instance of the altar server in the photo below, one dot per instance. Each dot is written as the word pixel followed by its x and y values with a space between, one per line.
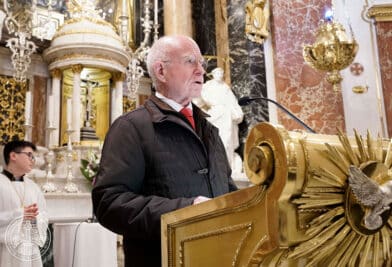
pixel 23 221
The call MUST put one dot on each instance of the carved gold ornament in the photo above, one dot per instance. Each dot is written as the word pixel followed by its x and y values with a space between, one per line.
pixel 257 15
pixel 380 12
pixel 351 230
pixel 332 51
pixel 302 211
pixel 12 109
pixel 128 104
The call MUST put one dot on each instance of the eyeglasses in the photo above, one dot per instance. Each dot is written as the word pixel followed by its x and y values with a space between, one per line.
pixel 29 154
pixel 192 61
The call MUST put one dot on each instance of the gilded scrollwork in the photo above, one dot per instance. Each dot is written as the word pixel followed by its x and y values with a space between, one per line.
pixel 380 13
pixel 340 234
pixel 56 73
pixel 257 15
pixel 128 104
pixel 12 119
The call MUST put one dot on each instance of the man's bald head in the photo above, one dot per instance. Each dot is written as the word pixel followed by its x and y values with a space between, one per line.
pixel 163 48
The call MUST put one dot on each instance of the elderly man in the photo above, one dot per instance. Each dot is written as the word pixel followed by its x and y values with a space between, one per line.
pixel 162 156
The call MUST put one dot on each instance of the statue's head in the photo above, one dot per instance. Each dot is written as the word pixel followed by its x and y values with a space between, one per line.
pixel 217 73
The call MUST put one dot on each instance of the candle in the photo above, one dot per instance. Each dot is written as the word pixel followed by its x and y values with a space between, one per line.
pixel 124 8
pixel 155 12
pixel 28 107
pixel 50 111
pixel 69 112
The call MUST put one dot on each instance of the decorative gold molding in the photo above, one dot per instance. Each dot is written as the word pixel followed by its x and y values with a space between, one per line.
pixel 12 106
pixel 59 34
pixel 118 76
pixel 56 73
pixel 84 56
pixel 245 227
pixel 128 104
pixel 222 38
pixel 257 16
pixel 77 68
pixel 380 13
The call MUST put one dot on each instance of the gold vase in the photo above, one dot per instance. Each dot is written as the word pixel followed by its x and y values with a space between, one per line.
pixel 332 51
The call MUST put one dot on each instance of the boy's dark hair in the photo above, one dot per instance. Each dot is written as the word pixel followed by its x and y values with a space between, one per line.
pixel 16 146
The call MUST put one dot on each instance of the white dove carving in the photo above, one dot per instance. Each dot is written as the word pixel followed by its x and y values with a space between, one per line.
pixel 374 197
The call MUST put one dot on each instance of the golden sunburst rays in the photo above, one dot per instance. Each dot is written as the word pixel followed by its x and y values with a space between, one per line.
pixel 337 236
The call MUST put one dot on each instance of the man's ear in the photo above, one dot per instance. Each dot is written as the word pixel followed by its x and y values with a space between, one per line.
pixel 12 156
pixel 159 71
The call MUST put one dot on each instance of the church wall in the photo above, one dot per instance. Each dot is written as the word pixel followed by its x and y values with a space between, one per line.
pixel 300 88
pixel 384 40
pixel 362 86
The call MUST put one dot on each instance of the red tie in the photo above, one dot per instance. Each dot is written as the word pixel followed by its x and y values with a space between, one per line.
pixel 187 112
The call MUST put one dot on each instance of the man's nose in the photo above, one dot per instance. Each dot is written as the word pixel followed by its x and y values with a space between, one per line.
pixel 201 68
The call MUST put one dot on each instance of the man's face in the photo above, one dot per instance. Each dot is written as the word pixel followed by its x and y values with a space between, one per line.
pixel 184 73
pixel 24 159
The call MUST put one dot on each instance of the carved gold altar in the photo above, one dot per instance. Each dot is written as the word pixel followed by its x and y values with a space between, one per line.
pixel 301 212
pixel 13 96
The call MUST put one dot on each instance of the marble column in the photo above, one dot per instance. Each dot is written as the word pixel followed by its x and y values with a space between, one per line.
pixel 76 103
pixel 248 71
pixel 177 17
pixel 55 93
pixel 382 21
pixel 384 38
pixel 117 96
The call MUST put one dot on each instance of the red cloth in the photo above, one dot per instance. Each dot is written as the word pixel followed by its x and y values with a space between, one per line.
pixel 187 112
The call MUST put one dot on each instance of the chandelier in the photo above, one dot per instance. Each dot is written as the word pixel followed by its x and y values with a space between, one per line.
pixel 138 56
pixel 21 21
pixel 332 51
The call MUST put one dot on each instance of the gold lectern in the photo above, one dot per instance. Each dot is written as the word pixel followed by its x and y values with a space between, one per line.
pixel 301 211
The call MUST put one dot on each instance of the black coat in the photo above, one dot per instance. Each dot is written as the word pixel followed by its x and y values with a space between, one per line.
pixel 152 163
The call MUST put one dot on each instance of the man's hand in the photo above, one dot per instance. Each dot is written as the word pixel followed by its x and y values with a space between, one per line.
pixel 200 199
pixel 31 212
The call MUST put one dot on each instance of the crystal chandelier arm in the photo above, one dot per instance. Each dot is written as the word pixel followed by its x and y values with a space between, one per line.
pixel 134 70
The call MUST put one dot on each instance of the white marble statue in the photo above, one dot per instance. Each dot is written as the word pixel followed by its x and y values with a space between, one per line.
pixel 220 103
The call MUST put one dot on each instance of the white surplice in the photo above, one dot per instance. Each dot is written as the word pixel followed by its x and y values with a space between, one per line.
pixel 20 239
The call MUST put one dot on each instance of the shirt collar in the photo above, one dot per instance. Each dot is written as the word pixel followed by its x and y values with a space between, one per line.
pixel 173 104
pixel 12 177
